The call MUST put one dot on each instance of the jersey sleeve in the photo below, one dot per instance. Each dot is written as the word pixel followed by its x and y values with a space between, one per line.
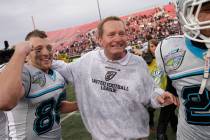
pixel 26 80
pixel 158 56
pixel 65 69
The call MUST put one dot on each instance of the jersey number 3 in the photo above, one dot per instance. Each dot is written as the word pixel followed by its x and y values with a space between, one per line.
pixel 197 106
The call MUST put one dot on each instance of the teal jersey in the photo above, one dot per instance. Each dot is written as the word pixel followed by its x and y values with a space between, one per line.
pixel 183 62
pixel 37 116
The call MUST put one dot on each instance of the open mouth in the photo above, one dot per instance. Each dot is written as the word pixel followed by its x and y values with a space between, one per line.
pixel 118 46
pixel 46 60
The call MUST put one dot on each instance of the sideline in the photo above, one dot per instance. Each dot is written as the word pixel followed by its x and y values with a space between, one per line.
pixel 68 115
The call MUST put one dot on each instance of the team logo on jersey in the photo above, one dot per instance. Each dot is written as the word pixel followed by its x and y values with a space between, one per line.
pixel 39 78
pixel 109 75
pixel 174 59
pixel 157 75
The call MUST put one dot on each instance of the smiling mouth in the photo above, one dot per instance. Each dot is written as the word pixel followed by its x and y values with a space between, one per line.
pixel 117 46
pixel 46 60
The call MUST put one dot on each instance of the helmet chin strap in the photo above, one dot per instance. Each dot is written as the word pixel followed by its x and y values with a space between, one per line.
pixel 206 70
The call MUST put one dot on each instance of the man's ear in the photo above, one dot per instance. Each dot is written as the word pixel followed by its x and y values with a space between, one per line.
pixel 99 40
pixel 28 59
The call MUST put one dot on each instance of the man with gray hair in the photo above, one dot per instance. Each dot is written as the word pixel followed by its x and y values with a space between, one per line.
pixel 113 87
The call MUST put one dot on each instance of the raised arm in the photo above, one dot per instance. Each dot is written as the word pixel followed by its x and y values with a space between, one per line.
pixel 11 88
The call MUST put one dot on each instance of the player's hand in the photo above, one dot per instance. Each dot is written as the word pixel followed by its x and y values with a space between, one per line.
pixel 23 48
pixel 167 98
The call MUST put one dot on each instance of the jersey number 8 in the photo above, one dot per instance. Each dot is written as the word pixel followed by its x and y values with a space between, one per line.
pixel 47 113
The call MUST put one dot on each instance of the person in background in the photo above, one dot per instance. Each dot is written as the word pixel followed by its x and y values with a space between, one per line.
pixel 155 73
pixel 167 113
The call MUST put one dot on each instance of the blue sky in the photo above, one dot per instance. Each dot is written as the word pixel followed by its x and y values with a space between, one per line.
pixel 49 15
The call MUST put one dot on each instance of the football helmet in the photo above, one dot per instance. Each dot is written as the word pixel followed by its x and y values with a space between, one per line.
pixel 187 12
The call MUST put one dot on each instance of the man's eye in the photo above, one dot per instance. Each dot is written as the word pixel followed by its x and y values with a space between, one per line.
pixel 49 48
pixel 38 50
pixel 122 34
pixel 111 34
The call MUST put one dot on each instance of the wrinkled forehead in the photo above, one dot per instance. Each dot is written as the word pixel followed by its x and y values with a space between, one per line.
pixel 37 41
pixel 113 25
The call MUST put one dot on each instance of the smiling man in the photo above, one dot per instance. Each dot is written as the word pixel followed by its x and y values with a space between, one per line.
pixel 112 38
pixel 113 87
pixel 40 91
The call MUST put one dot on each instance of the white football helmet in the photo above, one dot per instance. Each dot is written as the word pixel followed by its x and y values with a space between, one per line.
pixel 187 12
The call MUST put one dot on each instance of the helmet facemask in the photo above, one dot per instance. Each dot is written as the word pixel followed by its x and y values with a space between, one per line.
pixel 188 12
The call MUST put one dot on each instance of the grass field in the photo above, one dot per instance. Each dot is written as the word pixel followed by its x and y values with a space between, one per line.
pixel 73 128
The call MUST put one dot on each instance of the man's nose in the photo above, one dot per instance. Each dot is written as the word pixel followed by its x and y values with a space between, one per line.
pixel 45 51
pixel 118 37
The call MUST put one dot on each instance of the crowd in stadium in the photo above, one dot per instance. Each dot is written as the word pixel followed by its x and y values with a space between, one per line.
pixel 158 24
pixel 116 91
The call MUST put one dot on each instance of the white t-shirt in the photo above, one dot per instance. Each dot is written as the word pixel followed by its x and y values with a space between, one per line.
pixel 112 96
